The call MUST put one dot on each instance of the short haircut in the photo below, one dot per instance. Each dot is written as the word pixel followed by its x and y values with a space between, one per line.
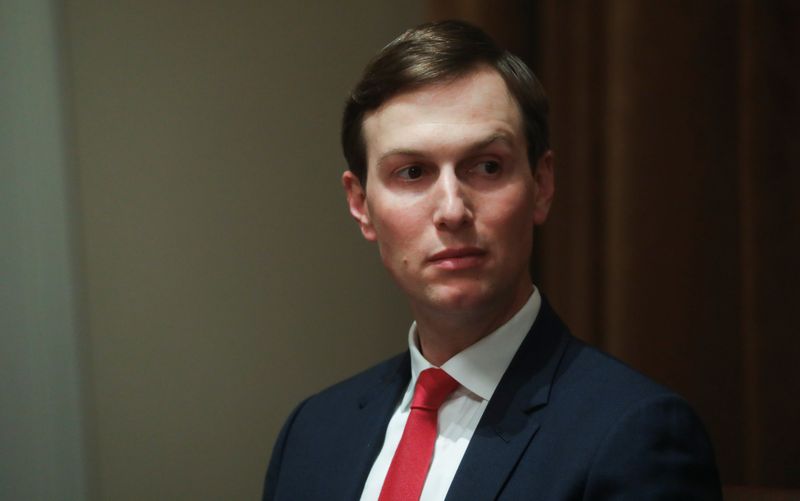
pixel 435 53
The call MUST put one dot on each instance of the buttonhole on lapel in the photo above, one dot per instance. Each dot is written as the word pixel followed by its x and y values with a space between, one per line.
pixel 534 407
pixel 506 436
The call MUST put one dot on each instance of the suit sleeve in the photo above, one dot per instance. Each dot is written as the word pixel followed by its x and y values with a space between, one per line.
pixel 274 468
pixel 657 450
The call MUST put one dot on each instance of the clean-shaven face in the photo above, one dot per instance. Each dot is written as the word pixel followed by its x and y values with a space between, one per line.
pixel 451 199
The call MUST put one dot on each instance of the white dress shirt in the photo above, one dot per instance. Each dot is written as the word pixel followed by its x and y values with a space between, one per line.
pixel 478 370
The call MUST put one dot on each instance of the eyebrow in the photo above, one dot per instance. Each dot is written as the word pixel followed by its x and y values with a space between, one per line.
pixel 501 137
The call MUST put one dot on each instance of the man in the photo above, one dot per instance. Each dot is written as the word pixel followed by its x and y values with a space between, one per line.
pixel 449 172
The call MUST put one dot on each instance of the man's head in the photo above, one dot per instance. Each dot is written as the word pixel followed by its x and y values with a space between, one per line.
pixel 436 53
pixel 453 193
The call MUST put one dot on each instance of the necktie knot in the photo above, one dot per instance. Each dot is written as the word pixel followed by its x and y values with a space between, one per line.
pixel 432 389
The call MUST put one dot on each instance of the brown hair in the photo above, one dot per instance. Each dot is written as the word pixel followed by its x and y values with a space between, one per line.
pixel 438 52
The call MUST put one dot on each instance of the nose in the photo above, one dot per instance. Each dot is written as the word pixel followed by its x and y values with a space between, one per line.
pixel 452 207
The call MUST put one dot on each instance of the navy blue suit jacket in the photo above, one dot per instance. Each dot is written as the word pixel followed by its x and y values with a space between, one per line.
pixel 567 422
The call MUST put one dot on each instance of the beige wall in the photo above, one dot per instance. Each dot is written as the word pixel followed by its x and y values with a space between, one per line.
pixel 223 278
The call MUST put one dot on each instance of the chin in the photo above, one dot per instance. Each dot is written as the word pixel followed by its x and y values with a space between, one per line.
pixel 458 297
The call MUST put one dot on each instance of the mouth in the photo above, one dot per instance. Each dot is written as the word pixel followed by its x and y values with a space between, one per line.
pixel 458 258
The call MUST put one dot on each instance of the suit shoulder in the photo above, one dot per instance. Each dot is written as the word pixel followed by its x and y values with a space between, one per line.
pixel 646 440
pixel 587 376
pixel 396 367
pixel 605 380
pixel 329 411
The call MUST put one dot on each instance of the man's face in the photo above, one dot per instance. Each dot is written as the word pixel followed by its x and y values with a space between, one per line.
pixel 451 198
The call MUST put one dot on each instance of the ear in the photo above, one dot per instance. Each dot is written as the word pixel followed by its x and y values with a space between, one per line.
pixel 544 186
pixel 357 201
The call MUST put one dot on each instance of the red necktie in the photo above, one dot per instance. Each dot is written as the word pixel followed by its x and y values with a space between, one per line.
pixel 411 460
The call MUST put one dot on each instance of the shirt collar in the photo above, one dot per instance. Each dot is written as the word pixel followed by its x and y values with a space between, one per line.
pixel 480 367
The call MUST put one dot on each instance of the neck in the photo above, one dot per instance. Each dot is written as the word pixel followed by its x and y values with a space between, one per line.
pixel 443 335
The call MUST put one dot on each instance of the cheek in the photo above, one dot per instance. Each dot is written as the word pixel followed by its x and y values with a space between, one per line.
pixel 399 227
pixel 511 221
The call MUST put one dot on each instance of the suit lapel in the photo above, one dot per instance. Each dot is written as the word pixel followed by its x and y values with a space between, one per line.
pixel 514 413
pixel 373 410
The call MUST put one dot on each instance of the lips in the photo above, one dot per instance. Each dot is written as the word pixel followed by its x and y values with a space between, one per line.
pixel 458 258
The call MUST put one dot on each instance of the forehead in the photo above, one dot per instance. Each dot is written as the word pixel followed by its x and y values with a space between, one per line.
pixel 459 112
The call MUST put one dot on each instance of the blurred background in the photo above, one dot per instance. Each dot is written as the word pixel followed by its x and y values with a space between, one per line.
pixel 178 268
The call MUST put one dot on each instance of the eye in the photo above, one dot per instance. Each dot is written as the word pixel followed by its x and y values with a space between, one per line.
pixel 410 173
pixel 490 168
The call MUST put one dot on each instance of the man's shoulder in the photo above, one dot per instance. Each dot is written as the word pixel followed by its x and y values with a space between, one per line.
pixel 595 380
pixel 392 371
pixel 333 432
pixel 587 373
pixel 591 359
